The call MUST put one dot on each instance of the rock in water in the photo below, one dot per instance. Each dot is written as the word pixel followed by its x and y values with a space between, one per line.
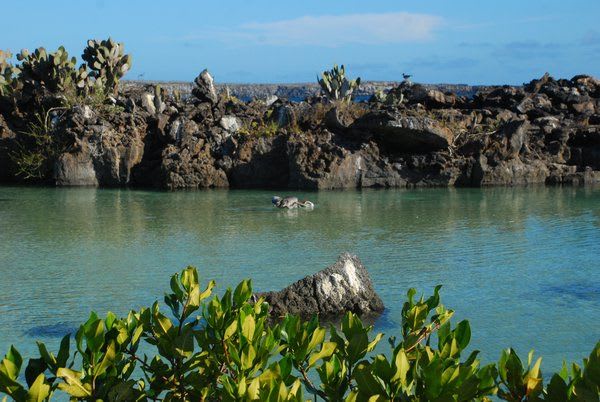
pixel 344 286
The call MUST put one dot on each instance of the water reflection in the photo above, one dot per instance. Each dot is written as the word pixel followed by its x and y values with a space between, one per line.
pixel 107 215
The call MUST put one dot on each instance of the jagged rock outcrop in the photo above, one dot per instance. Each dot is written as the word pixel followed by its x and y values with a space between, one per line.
pixel 318 163
pixel 7 146
pixel 342 287
pixel 507 160
pixel 547 131
pixel 187 156
pixel 76 168
pixel 258 163
pixel 205 89
pixel 104 150
pixel 404 133
pixel 183 169
pixel 429 97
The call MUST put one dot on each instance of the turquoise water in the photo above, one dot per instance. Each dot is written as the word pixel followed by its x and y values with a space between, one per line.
pixel 522 264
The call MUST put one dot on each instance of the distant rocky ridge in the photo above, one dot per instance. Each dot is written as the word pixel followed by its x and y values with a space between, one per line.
pixel 300 91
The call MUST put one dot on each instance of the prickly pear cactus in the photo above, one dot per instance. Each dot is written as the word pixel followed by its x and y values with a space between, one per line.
pixel 8 73
pixel 108 62
pixel 159 96
pixel 55 71
pixel 336 86
pixel 83 81
pixel 394 97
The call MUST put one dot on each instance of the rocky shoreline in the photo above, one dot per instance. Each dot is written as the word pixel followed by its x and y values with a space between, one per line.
pixel 547 132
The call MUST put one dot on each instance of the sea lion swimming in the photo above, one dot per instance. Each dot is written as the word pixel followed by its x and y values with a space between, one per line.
pixel 291 202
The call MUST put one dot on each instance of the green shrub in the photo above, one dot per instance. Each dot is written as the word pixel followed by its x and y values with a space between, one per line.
pixel 260 128
pixel 38 146
pixel 226 349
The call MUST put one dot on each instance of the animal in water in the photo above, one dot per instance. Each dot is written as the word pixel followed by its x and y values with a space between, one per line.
pixel 291 202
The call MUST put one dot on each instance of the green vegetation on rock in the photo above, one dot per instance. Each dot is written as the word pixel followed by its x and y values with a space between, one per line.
pixel 40 72
pixel 260 128
pixel 43 86
pixel 226 348
pixel 38 147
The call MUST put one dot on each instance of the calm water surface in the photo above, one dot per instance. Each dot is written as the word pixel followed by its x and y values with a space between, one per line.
pixel 521 264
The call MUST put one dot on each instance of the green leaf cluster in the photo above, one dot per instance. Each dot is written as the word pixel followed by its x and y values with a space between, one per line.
pixel 204 347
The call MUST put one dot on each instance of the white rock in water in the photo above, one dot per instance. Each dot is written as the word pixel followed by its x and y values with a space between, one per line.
pixel 344 286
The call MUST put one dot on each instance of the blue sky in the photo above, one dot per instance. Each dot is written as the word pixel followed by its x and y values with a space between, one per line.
pixel 475 42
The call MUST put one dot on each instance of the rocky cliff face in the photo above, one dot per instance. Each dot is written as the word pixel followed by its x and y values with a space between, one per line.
pixel 546 132
pixel 104 149
pixel 7 147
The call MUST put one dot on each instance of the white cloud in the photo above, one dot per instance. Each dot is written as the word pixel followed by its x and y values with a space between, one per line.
pixel 333 30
